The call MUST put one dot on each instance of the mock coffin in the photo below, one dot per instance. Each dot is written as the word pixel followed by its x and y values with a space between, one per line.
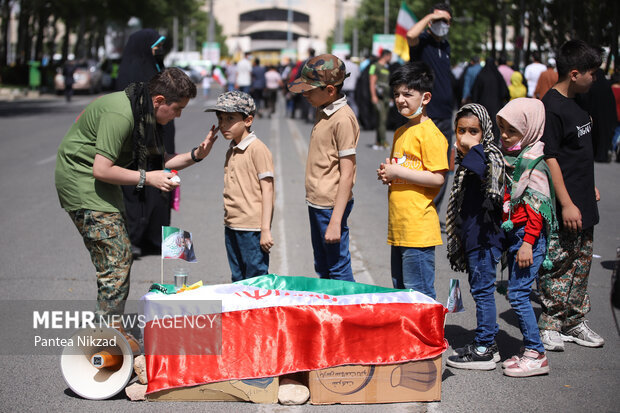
pixel 273 325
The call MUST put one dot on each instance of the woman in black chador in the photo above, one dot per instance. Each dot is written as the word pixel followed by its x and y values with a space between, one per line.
pixel 146 210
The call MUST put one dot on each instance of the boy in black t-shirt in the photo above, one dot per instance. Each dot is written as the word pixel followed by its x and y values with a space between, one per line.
pixel 569 154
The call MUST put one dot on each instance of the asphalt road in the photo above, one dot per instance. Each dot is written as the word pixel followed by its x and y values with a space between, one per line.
pixel 42 257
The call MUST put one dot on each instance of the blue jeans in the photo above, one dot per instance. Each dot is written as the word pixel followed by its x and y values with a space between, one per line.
pixel 520 284
pixel 481 264
pixel 245 257
pixel 414 268
pixel 330 260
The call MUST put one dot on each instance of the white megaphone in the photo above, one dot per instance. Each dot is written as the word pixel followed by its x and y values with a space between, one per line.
pixel 97 363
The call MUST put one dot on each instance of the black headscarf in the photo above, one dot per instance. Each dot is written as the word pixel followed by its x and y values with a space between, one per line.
pixel 138 63
pixel 146 132
pixel 490 91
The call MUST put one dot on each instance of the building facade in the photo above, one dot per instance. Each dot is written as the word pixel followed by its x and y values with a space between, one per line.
pixel 267 27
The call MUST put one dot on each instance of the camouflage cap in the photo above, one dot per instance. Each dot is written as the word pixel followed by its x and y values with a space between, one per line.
pixel 319 71
pixel 234 101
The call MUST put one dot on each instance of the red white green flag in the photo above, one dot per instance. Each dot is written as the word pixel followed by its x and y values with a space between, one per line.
pixel 177 244
pixel 404 21
pixel 272 325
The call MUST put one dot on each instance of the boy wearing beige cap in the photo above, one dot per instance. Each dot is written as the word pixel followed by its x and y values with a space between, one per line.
pixel 330 168
pixel 248 187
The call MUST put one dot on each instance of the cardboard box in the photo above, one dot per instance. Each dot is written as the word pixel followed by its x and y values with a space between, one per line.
pixel 254 390
pixel 358 384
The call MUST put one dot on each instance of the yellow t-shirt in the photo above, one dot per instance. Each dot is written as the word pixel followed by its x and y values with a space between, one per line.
pixel 412 217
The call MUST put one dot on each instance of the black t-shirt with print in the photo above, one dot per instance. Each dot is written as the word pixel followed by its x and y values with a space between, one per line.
pixel 568 138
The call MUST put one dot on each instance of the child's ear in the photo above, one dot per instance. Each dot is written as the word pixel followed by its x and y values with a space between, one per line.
pixel 426 98
pixel 248 121
pixel 573 74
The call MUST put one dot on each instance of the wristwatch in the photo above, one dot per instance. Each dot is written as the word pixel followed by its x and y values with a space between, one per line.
pixel 194 156
pixel 142 179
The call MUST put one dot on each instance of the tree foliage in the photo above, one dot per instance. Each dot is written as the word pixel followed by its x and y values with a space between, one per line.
pixel 88 21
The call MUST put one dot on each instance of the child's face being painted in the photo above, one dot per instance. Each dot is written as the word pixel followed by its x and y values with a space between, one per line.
pixel 468 133
pixel 410 102
pixel 233 126
pixel 509 136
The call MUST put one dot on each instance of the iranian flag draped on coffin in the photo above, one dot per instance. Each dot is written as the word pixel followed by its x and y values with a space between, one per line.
pixel 274 325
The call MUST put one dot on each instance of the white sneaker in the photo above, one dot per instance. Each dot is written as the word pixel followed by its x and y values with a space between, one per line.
pixel 583 335
pixel 532 363
pixel 552 340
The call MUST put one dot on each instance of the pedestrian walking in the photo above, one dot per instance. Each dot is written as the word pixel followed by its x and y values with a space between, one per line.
pixel 490 91
pixel 532 73
pixel 546 80
pixel 350 82
pixel 67 73
pixel 379 86
pixel 273 85
pixel 243 79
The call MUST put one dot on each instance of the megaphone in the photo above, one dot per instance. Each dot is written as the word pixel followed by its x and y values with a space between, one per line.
pixel 97 363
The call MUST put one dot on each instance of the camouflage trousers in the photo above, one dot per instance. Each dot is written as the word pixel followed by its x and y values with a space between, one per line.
pixel 565 300
pixel 106 238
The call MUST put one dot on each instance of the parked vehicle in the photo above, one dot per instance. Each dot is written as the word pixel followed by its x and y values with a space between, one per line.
pixel 87 77
pixel 194 74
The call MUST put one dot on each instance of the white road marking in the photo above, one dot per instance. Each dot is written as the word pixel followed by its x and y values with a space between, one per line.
pixel 46 160
pixel 279 189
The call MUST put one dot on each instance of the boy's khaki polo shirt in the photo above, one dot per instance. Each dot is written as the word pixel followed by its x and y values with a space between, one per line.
pixel 246 164
pixel 334 135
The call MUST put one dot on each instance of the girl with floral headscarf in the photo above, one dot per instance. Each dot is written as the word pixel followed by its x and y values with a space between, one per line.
pixel 529 219
pixel 473 229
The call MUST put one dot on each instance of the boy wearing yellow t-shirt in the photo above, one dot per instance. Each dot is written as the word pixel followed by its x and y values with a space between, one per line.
pixel 415 172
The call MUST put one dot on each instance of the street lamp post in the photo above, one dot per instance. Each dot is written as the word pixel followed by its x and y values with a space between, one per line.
pixel 386 16
pixel 211 27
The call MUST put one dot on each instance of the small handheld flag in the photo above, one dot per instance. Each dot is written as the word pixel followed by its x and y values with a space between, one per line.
pixel 455 301
pixel 177 244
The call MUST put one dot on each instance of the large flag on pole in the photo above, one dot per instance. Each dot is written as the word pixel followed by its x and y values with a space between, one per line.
pixel 282 325
pixel 177 244
pixel 405 21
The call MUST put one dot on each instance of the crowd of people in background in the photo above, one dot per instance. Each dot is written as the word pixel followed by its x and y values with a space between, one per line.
pixel 490 81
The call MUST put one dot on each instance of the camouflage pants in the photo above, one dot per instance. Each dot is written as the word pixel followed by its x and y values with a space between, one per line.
pixel 106 238
pixel 565 300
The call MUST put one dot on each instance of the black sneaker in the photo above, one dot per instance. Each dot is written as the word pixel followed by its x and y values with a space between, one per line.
pixel 472 359
pixel 493 348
